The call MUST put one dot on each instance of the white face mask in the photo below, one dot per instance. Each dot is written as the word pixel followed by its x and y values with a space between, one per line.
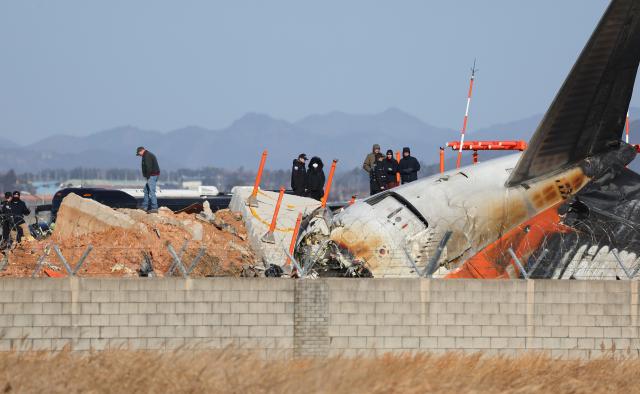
pixel 315 165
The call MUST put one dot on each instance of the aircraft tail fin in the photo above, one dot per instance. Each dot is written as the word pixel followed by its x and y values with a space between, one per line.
pixel 588 114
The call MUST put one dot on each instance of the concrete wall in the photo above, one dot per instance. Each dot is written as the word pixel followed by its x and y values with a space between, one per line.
pixel 322 317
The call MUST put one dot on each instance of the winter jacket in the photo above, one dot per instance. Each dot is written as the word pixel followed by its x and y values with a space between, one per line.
pixel 409 167
pixel 378 179
pixel 18 211
pixel 150 165
pixel 298 178
pixel 315 179
pixel 370 160
pixel 5 211
pixel 391 169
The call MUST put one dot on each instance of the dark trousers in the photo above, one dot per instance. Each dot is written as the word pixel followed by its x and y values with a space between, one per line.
pixel 19 233
pixel 6 231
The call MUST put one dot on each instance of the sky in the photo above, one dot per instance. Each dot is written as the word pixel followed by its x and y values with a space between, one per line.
pixel 77 66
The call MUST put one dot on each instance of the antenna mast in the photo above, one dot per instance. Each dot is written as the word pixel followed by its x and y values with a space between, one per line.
pixel 466 113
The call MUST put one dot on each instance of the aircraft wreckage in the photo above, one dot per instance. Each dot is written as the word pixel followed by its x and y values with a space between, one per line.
pixel 526 214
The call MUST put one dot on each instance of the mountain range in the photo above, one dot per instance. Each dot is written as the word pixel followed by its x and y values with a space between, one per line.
pixel 339 135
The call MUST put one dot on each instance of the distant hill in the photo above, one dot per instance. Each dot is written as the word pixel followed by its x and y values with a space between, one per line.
pixel 347 137
pixel 334 135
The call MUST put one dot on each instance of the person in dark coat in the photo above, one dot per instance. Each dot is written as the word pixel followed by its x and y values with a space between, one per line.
pixel 299 175
pixel 151 172
pixel 391 167
pixel 6 220
pixel 378 179
pixel 18 211
pixel 409 166
pixel 369 162
pixel 315 179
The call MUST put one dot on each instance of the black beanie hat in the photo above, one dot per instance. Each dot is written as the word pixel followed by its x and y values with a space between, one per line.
pixel 406 150
pixel 390 152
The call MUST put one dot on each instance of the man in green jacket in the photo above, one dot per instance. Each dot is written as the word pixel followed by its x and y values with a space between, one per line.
pixel 150 171
pixel 369 163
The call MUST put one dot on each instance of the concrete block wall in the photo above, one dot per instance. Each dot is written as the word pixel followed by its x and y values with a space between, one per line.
pixel 281 317
pixel 49 314
pixel 563 318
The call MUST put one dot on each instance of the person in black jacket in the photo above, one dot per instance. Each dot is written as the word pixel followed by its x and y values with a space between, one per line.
pixel 391 168
pixel 315 179
pixel 150 171
pixel 6 220
pixel 299 175
pixel 378 179
pixel 18 211
pixel 409 166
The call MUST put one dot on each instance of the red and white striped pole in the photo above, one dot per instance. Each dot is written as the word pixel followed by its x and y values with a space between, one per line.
pixel 466 114
pixel 627 129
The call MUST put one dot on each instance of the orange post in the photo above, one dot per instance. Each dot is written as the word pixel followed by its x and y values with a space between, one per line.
pixel 475 157
pixel 252 201
pixel 441 160
pixel 294 238
pixel 398 173
pixel 268 237
pixel 353 199
pixel 329 181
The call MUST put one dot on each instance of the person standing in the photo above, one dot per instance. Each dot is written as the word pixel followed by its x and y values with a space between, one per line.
pixel 315 179
pixel 391 170
pixel 18 211
pixel 409 166
pixel 6 220
pixel 369 162
pixel 150 171
pixel 299 175
pixel 378 179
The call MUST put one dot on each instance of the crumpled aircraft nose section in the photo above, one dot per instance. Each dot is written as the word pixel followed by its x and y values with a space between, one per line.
pixel 383 233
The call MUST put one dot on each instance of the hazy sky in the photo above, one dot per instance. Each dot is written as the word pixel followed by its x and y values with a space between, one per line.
pixel 81 66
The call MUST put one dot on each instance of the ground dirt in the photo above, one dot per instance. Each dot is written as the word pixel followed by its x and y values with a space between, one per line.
pixel 119 252
pixel 230 371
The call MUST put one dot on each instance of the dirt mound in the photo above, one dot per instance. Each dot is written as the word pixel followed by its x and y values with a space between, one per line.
pixel 122 238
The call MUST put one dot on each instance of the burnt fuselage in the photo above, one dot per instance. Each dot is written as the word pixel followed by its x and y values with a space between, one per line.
pixel 391 230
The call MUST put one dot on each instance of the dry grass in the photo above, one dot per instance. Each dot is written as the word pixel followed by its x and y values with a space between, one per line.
pixel 230 371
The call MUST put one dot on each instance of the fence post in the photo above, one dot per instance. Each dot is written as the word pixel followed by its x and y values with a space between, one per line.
pixel 252 201
pixel 268 236
pixel 441 160
pixel 475 157
pixel 329 181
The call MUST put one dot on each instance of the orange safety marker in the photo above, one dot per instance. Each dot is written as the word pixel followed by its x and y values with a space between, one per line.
pixel 398 173
pixel 252 201
pixel 329 181
pixel 627 129
pixel 466 114
pixel 353 199
pixel 268 236
pixel 441 160
pixel 294 238
pixel 475 156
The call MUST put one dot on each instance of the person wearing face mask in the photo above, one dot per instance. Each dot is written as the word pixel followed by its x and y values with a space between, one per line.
pixel 391 170
pixel 18 211
pixel 378 179
pixel 409 166
pixel 315 179
pixel 299 175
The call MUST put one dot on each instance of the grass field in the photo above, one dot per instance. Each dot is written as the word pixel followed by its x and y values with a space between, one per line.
pixel 229 371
